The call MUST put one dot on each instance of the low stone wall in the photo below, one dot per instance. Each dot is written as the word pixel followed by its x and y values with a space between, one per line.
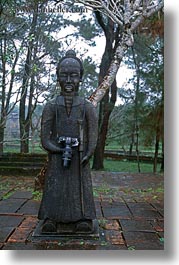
pixel 21 164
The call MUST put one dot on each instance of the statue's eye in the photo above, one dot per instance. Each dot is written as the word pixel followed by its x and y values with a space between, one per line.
pixel 74 75
pixel 63 75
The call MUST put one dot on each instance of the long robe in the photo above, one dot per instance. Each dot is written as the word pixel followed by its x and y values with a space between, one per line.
pixel 68 190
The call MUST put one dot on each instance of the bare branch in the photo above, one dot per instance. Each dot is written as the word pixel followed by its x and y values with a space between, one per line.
pixel 124 14
pixel 136 4
pixel 149 12
pixel 128 11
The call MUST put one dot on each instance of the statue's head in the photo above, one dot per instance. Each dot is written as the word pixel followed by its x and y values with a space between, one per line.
pixel 69 72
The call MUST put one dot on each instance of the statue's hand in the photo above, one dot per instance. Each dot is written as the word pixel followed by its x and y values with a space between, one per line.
pixel 85 160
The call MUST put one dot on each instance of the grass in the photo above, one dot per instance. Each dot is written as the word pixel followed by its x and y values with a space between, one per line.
pixel 116 146
pixel 128 166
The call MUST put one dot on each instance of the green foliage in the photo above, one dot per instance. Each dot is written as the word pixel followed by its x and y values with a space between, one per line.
pixel 161 239
pixel 4 186
pixel 141 115
pixel 104 243
pixel 88 28
pixel 103 189
pixel 7 195
pixel 153 192
pixel 37 195
pixel 90 77
pixel 131 248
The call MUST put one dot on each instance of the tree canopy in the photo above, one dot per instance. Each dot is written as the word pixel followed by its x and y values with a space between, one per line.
pixel 35 34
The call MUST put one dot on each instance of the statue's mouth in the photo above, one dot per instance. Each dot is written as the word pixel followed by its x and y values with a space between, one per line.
pixel 69 88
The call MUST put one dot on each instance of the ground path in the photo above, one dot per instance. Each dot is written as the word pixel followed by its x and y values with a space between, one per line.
pixel 129 211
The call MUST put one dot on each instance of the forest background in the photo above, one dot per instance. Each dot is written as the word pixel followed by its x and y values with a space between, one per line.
pixel 34 35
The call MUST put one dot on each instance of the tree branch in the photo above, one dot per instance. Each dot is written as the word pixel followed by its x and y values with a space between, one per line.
pixel 129 16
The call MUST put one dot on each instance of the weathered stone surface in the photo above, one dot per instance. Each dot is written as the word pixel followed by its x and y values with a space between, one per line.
pixel 115 237
pixel 29 222
pixel 20 235
pixel 142 240
pixel 21 195
pixel 64 234
pixel 110 225
pixel 11 205
pixel 10 221
pixel 99 214
pixel 31 207
pixel 158 225
pixel 69 128
pixel 19 246
pixel 116 211
pixel 136 225
pixel 5 233
pixel 143 210
pixel 159 207
pixel 111 247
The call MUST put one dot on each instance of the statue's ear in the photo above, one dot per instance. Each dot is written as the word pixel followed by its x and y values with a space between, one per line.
pixel 81 70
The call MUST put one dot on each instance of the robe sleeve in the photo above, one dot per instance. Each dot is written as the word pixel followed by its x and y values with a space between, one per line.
pixel 47 122
pixel 92 123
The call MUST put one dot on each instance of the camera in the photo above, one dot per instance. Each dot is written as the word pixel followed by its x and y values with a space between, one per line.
pixel 66 144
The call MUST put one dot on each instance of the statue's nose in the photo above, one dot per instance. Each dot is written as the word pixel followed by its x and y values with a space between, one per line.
pixel 68 78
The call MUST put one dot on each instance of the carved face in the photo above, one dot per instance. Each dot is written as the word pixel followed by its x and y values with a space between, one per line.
pixel 69 75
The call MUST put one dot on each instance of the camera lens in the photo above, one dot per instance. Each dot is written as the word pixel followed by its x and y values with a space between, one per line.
pixel 67 155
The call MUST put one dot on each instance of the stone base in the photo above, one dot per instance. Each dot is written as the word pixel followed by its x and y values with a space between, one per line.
pixel 37 235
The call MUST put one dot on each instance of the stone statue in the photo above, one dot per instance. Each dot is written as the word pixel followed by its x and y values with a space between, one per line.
pixel 69 134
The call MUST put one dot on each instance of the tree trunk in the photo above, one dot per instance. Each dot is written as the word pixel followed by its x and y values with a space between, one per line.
pixel 22 108
pixel 108 102
pixel 27 120
pixel 137 106
pixel 106 110
pixel 159 136
pixel 24 120
pixel 157 139
pixel 3 92
pixel 1 140
pixel 162 164
pixel 132 141
pixel 7 89
pixel 137 149
pixel 25 140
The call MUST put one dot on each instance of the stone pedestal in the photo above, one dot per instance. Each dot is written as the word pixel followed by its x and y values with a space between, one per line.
pixel 66 232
